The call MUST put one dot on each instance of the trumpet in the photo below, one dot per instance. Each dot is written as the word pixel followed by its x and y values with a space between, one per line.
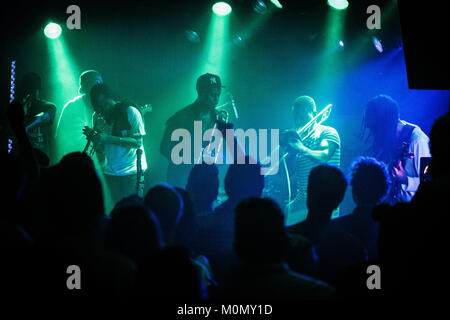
pixel 224 113
pixel 99 126
pixel 86 148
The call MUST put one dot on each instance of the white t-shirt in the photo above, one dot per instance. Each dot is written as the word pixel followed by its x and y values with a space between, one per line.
pixel 419 147
pixel 121 161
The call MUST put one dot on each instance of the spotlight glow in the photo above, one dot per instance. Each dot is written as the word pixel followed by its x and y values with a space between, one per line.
pixel 338 4
pixel 221 9
pixel 377 43
pixel 277 4
pixel 52 30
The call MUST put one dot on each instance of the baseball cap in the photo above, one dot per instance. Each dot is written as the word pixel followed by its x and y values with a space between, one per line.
pixel 207 81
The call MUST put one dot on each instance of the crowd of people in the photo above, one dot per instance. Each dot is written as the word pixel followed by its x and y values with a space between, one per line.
pixel 174 243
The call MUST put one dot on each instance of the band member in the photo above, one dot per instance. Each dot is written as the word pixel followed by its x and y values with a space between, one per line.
pixel 76 114
pixel 397 143
pixel 39 114
pixel 120 140
pixel 322 145
pixel 209 88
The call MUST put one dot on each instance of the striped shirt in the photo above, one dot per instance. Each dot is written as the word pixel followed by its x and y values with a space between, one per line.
pixel 304 164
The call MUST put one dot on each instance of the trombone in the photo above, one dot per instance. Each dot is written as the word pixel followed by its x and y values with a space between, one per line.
pixel 323 115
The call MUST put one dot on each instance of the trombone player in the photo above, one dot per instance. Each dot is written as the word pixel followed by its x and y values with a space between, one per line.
pixel 318 144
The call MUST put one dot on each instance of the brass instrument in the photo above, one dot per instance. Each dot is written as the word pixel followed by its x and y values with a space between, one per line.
pixel 86 148
pixel 303 133
pixel 99 126
pixel 307 130
pixel 225 113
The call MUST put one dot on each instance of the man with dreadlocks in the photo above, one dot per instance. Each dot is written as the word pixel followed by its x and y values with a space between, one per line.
pixel 397 143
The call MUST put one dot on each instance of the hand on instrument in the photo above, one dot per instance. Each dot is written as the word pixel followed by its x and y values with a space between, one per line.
pixel 222 126
pixel 99 138
pixel 296 145
pixel 398 173
pixel 89 133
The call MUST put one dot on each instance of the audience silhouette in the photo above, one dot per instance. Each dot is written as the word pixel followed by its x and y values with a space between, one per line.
pixel 203 187
pixel 175 243
pixel 260 242
pixel 366 196
pixel 167 205
pixel 215 236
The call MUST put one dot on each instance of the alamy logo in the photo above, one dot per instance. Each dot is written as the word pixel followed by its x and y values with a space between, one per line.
pixel 74 20
pixel 374 280
pixel 74 280
pixel 374 20
pixel 214 151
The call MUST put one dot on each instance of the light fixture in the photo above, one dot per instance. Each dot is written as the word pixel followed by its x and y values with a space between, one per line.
pixel 221 9
pixel 338 4
pixel 52 30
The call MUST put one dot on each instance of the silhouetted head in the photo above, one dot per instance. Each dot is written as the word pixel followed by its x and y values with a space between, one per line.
pixel 439 146
pixel 186 226
pixel 303 110
pixel 369 181
pixel 88 79
pixel 326 189
pixel 260 234
pixel 133 231
pixel 73 193
pixel 203 186
pixel 243 181
pixel 167 205
pixel 130 200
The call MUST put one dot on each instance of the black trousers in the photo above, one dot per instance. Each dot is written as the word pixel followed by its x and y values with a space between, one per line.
pixel 121 186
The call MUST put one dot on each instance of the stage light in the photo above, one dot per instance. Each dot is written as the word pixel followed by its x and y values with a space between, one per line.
pixel 341 44
pixel 52 30
pixel 338 4
pixel 192 36
pixel 377 43
pixel 277 4
pixel 221 9
pixel 259 6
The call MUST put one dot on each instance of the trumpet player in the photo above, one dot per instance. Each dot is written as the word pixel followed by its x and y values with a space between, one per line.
pixel 120 140
pixel 321 145
pixel 209 88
